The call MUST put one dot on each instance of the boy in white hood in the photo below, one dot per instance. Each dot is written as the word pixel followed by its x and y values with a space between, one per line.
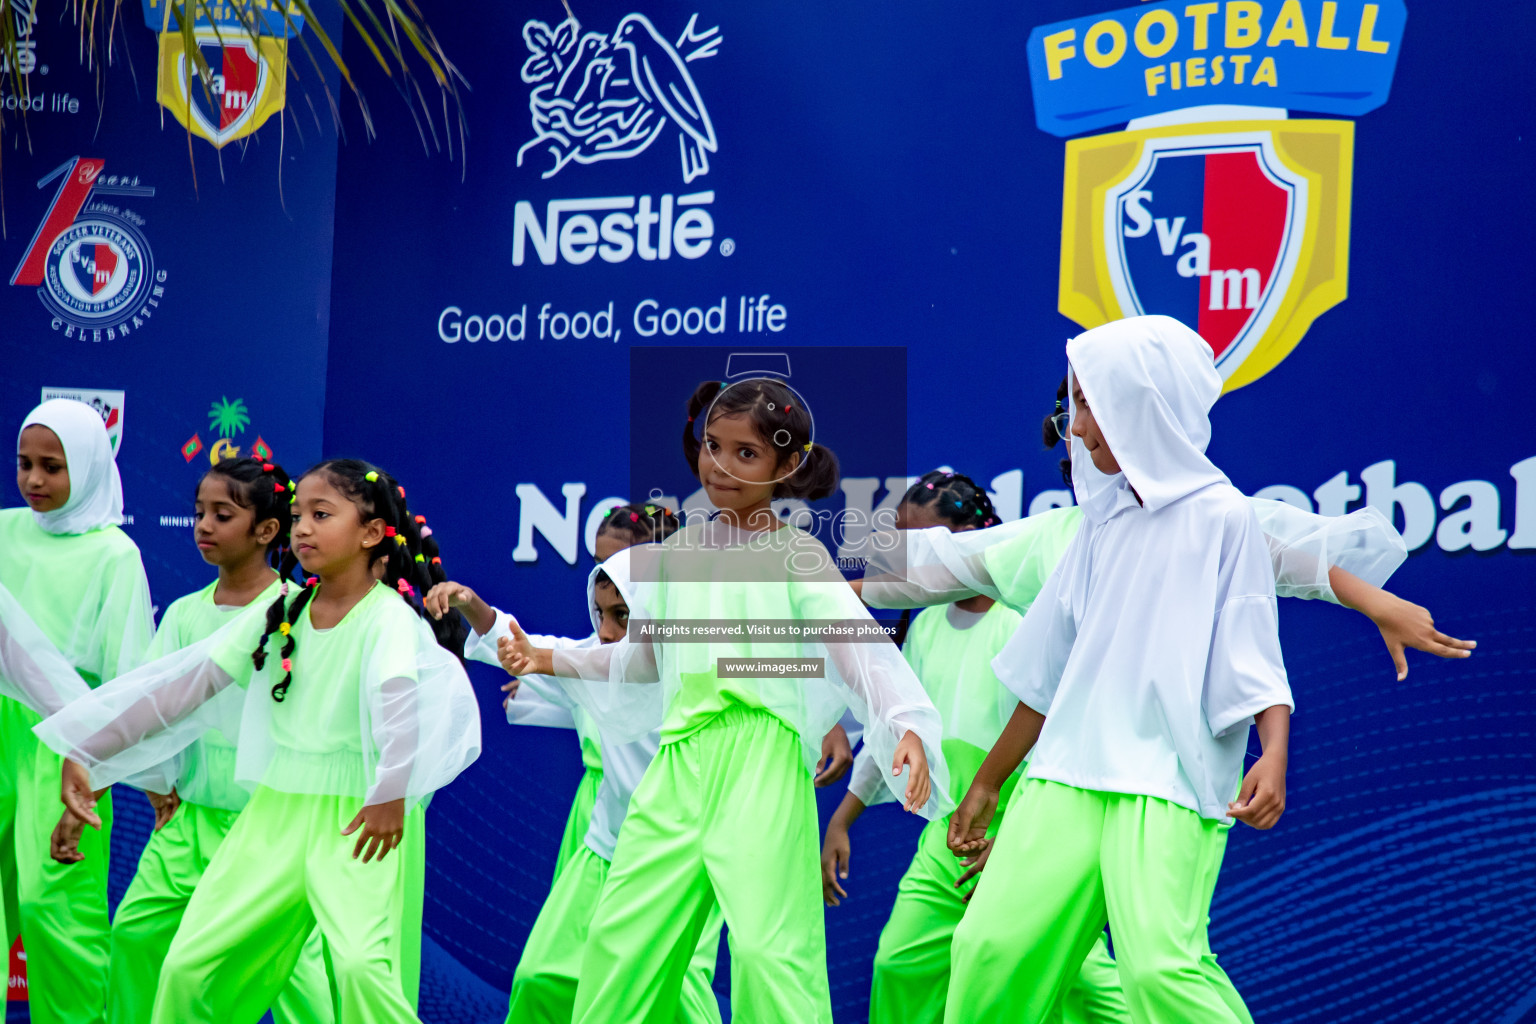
pixel 1139 667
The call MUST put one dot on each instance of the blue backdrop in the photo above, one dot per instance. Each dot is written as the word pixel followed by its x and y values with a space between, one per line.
pixel 778 176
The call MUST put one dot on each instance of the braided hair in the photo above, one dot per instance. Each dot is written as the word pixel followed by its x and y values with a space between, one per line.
pixel 956 499
pixel 1051 436
pixel 263 488
pixel 638 523
pixel 780 419
pixel 413 564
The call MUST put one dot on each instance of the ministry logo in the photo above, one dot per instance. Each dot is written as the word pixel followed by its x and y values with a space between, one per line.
pixel 608 97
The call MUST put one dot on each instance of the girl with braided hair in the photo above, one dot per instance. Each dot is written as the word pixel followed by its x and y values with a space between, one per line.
pixel 725 814
pixel 951 650
pixel 344 731
pixel 243 512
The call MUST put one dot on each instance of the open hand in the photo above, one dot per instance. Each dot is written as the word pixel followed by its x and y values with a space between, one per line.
pixel 77 794
pixel 445 597
pixel 1261 801
pixel 1405 624
pixel 969 823
pixel 836 757
pixel 165 806
pixel 64 844
pixel 383 827
pixel 909 754
pixel 516 652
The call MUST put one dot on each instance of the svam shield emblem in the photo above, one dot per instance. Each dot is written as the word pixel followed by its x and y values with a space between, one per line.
pixel 245 85
pixel 1240 230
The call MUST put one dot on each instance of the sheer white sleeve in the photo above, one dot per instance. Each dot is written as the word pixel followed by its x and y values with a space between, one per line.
pixel 918 568
pixel 603 680
pixel 137 722
pixel 1304 545
pixel 425 723
pixel 539 700
pixel 880 690
pixel 32 670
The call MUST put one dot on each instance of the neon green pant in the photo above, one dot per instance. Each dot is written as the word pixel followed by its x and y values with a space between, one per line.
pixel 169 871
pixel 912 963
pixel 60 909
pixel 725 814
pixel 574 839
pixel 1066 861
pixel 544 986
pixel 283 869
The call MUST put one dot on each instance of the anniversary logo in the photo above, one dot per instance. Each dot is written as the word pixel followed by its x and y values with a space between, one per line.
pixel 1213 205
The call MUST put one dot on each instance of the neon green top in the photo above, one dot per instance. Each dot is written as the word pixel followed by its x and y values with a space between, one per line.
pixel 206 769
pixel 86 592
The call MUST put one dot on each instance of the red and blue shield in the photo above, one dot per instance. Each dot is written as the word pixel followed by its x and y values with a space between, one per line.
pixel 1239 229
pixel 1208 234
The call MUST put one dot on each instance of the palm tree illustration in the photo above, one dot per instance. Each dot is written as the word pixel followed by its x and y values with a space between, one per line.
pixel 228 417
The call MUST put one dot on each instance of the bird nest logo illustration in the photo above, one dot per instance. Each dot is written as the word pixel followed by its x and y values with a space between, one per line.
pixel 608 97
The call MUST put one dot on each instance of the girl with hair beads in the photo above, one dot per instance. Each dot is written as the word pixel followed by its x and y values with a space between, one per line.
pixel 358 718
pixel 243 513
pixel 75 611
pixel 544 703
pixel 951 651
pixel 726 812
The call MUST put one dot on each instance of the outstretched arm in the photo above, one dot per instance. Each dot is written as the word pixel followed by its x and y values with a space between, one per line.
pixel 1402 623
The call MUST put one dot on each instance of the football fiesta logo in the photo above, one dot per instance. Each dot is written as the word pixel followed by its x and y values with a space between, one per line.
pixel 246 78
pixel 89 260
pixel 1212 205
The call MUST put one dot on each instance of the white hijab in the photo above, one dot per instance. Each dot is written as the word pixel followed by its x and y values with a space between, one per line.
pixel 95 488
pixel 1151 382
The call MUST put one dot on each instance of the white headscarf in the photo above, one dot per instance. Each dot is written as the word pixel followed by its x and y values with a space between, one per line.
pixel 95 488
pixel 1150 382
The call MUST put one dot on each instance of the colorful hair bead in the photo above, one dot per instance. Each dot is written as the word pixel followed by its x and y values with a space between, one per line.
pixel 426 531
pixel 287 664
pixel 401 490
pixel 389 531
pixel 807 446
pixel 285 628
pixel 371 476
pixel 311 581
pixel 421 520
pixel 406 590
pixel 634 517
pixel 421 558
pixel 400 539
pixel 278 488
pixel 436 560
pixel 267 467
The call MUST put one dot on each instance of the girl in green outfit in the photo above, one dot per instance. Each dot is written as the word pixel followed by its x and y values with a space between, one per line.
pixel 243 513
pixel 950 649
pixel 79 598
pixel 726 811
pixel 344 730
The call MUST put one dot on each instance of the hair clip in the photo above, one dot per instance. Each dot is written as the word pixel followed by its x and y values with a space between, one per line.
pixel 288 665
pixel 389 531
pixel 267 467
pixel 406 590
pixel 285 629
pixel 371 476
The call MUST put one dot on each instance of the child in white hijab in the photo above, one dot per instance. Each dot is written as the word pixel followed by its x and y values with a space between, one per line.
pixel 1150 650
pixel 75 598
